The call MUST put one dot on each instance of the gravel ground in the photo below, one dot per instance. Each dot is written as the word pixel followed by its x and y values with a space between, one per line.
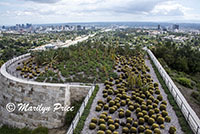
pixel 171 113
pixel 99 96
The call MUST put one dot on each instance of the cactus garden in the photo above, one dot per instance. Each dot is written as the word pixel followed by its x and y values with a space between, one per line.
pixel 131 103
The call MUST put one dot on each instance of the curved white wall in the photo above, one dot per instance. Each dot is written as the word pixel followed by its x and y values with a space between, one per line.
pixel 17 91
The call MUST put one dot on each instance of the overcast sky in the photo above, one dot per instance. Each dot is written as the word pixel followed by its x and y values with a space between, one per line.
pixel 63 11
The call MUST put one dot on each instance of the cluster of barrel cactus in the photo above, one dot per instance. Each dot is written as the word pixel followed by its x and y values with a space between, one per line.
pixel 132 103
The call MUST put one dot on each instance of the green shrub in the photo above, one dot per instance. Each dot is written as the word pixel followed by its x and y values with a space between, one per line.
pixel 92 126
pixel 40 130
pixel 24 131
pixel 185 82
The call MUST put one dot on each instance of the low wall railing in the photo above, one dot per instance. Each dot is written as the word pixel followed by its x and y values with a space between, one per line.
pixel 80 111
pixel 187 111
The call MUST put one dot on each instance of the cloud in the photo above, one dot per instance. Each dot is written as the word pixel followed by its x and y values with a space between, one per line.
pixel 170 8
pixel 44 1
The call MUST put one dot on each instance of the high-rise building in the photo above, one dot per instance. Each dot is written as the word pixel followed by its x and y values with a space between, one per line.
pixel 159 28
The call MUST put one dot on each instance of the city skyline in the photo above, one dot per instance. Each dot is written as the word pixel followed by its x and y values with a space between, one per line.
pixel 62 11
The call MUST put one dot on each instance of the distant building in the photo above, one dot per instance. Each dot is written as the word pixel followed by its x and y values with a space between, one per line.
pixel 79 27
pixel 175 27
pixel 159 28
pixel 49 46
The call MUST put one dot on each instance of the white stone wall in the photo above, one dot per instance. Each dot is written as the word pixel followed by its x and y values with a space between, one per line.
pixel 15 90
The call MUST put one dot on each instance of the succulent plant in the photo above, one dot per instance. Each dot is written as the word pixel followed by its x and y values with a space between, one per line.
pixel 101 121
pixel 154 125
pixel 160 120
pixel 111 127
pixel 98 108
pixel 159 97
pixel 92 126
pixel 102 127
pixel 123 103
pixel 151 112
pixel 162 107
pixel 164 113
pixel 140 114
pixel 151 121
pixel 167 119
pixel 125 130
pixel 141 121
pixel 129 120
pixel 157 131
pixel 116 125
pixel 115 132
pixel 106 107
pixel 128 113
pixel 110 121
pixel 146 117
pixel 131 107
pixel 141 128
pixel 133 130
pixel 94 120
pixel 162 126
pixel 156 110
pixel 148 131
pixel 105 95
pixel 121 114
pixel 100 132
pixel 172 130
pixel 135 124
pixel 103 116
